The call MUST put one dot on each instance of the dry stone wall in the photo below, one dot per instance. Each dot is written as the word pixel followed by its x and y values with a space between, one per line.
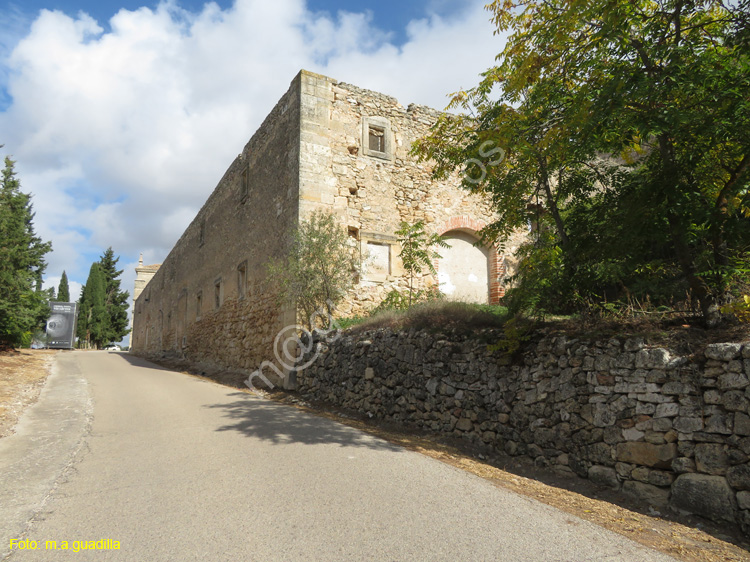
pixel 670 429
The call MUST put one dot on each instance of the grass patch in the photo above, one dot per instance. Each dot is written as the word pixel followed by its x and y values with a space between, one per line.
pixel 346 323
pixel 436 315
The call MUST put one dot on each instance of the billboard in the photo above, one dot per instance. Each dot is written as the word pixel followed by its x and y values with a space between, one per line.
pixel 61 326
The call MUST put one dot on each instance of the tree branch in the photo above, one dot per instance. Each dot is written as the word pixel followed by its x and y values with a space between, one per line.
pixel 735 175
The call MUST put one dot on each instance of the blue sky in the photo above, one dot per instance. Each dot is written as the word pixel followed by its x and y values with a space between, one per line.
pixel 391 15
pixel 123 115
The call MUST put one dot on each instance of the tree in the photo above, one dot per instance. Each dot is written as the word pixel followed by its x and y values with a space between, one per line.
pixel 318 267
pixel 103 307
pixel 417 251
pixel 116 301
pixel 63 291
pixel 93 322
pixel 23 305
pixel 658 86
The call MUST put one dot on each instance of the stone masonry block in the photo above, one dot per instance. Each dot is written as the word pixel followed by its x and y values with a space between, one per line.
pixel 604 476
pixel 647 454
pixel 651 495
pixel 705 495
pixel 711 458
pixel 652 358
pixel 723 351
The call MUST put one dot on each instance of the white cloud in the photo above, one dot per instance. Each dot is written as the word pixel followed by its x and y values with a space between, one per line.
pixel 122 135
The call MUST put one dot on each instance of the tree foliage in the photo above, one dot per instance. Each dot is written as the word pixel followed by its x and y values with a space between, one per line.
pixel 625 131
pixel 23 305
pixel 63 290
pixel 92 310
pixel 418 251
pixel 317 269
pixel 116 301
pixel 102 311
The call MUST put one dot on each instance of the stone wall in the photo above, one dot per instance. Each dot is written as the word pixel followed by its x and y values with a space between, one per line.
pixel 670 429
pixel 210 301
pixel 373 193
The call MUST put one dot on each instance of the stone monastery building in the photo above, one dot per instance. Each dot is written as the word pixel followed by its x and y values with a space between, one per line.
pixel 326 145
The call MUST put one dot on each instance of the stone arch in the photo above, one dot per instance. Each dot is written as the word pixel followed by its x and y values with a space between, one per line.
pixel 487 261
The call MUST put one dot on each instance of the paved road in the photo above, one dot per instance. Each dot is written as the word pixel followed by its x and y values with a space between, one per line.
pixel 175 469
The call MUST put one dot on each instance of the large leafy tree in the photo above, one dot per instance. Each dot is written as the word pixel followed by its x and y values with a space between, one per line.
pixel 116 301
pixel 660 88
pixel 23 305
pixel 63 291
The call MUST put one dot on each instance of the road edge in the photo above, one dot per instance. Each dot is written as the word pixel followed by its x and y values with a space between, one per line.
pixel 48 438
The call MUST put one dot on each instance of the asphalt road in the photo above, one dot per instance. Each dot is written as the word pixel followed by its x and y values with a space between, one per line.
pixel 175 468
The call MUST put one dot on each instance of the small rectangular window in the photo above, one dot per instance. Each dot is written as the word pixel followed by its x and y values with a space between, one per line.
pixel 198 305
pixel 244 185
pixel 377 139
pixel 202 234
pixel 218 296
pixel 242 280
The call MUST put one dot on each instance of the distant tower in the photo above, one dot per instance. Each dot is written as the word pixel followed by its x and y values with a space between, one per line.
pixel 143 274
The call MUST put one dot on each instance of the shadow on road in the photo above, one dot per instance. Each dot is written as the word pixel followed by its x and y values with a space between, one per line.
pixel 139 361
pixel 281 424
pixel 278 423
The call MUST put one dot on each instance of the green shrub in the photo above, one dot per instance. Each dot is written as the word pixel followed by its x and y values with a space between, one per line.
pixel 435 315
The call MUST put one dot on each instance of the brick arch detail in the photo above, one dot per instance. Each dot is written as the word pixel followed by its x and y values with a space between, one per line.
pixel 496 260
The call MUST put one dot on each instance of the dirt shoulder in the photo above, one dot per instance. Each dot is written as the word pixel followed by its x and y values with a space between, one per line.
pixel 22 376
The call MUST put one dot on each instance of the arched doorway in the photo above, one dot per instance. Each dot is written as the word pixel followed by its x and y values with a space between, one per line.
pixel 464 268
pixel 469 272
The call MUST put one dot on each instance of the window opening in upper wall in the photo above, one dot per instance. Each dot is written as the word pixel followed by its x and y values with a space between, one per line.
pixel 376 136
pixel 244 184
pixel 242 280
pixel 218 293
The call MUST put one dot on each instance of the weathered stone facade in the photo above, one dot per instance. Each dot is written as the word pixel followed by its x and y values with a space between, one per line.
pixel 373 191
pixel 326 145
pixel 672 430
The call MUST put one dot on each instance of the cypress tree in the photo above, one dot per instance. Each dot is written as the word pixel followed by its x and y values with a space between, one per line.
pixel 92 317
pixel 82 325
pixel 63 291
pixel 23 305
pixel 116 301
